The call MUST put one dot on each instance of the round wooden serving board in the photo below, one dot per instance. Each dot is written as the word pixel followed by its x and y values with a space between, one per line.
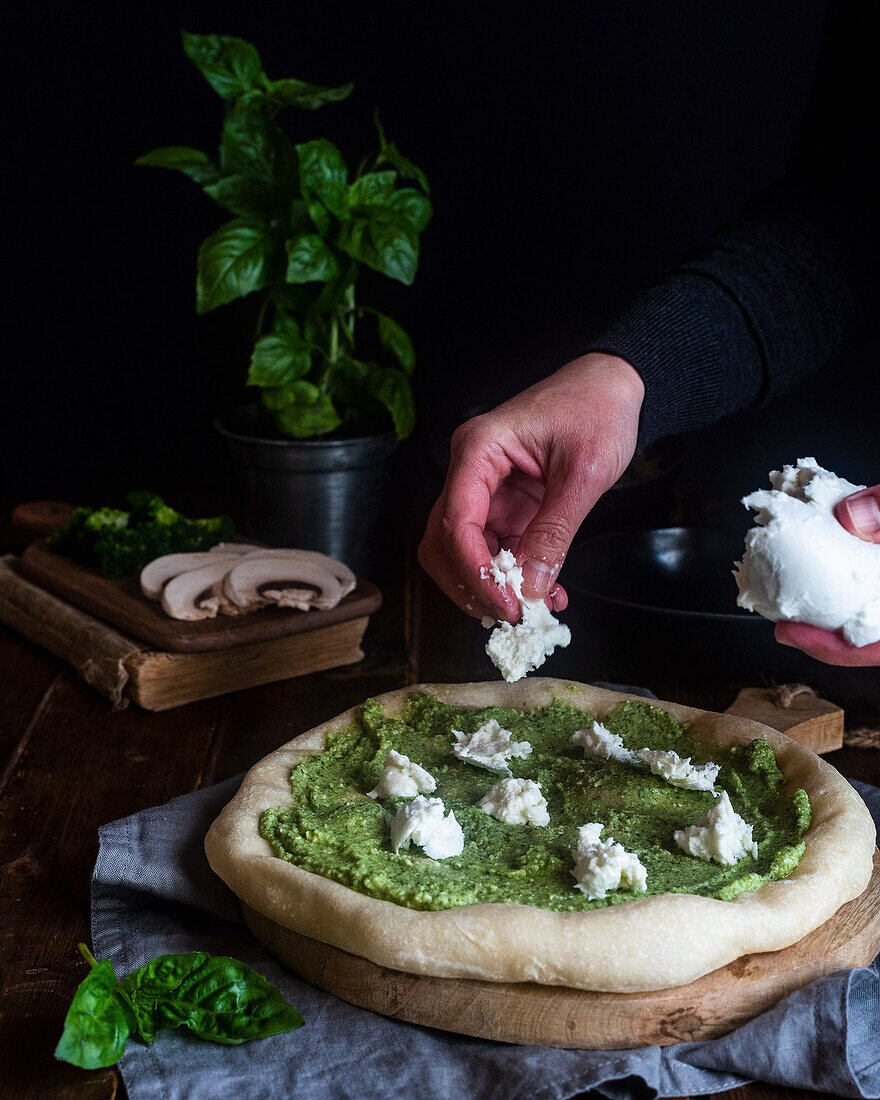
pixel 561 1017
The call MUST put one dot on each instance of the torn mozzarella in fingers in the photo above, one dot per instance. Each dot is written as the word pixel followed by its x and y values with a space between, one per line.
pixel 524 647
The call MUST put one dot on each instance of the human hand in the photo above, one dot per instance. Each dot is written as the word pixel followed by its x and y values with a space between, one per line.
pixel 524 476
pixel 859 513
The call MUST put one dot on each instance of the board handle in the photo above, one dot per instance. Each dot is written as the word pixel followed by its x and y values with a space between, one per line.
pixel 38 518
pixel 795 710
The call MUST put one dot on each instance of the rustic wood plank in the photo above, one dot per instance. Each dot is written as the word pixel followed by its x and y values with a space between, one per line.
pixel 26 674
pixel 82 766
pixel 36 519
pixel 160 681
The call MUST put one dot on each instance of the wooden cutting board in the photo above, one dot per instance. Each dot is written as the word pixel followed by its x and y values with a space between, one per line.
pixel 120 602
pixel 573 1018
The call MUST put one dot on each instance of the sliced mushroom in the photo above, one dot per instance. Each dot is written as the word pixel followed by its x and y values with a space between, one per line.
pixel 159 572
pixel 181 596
pixel 210 604
pixel 339 570
pixel 235 548
pixel 298 598
pixel 241 585
pixel 200 585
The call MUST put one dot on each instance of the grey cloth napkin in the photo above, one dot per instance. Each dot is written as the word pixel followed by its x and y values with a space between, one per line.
pixel 153 892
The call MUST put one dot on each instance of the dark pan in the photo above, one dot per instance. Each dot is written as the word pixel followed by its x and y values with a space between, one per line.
pixel 661 603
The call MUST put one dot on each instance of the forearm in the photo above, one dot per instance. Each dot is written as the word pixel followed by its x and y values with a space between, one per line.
pixel 772 298
pixel 779 291
pixel 691 344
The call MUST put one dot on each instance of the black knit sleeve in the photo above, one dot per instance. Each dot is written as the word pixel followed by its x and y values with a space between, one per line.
pixel 778 292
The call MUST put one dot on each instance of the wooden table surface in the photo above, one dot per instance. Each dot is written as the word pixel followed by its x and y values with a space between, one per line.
pixel 69 764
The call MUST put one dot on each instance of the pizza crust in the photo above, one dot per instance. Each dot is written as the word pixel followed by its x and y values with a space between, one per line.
pixel 649 943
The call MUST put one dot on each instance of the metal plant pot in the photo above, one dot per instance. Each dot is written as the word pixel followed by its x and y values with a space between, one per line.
pixel 316 494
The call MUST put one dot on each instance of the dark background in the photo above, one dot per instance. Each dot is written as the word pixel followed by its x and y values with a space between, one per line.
pixel 573 149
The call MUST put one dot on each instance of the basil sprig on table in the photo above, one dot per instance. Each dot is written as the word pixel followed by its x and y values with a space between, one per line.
pixel 216 997
pixel 302 229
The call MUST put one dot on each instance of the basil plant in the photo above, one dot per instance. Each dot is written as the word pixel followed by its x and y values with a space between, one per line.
pixel 302 229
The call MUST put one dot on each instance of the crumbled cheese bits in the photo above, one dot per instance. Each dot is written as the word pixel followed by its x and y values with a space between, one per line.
pixel 517 650
pixel 491 746
pixel 402 778
pixel 604 865
pixel 421 822
pixel 516 802
pixel 601 744
pixel 722 835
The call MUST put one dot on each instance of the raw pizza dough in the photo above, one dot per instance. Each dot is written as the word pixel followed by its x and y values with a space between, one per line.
pixel 648 943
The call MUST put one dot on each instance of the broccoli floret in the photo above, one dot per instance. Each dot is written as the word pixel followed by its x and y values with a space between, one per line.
pixel 119 543
pixel 77 538
pixel 151 508
pixel 142 502
pixel 106 519
pixel 71 538
pixel 219 528
pixel 128 551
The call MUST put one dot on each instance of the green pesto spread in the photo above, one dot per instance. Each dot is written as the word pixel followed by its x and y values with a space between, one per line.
pixel 336 831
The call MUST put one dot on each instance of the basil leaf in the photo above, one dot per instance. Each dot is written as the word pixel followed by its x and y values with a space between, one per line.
pixel 296 93
pixel 233 262
pixel 318 214
pixel 217 998
pixel 278 358
pixel 389 152
pixel 253 145
pixel 293 299
pixel 179 158
pixel 276 397
pixel 230 65
pixel 250 198
pixel 413 206
pixel 351 382
pixel 304 420
pixel 319 162
pixel 323 174
pixel 298 216
pixel 393 389
pixel 288 327
pixel 299 392
pixel 309 260
pixel 355 368
pixel 98 1022
pixel 404 166
pixel 375 187
pixel 333 196
pixel 384 241
pixel 333 292
pixel 394 338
